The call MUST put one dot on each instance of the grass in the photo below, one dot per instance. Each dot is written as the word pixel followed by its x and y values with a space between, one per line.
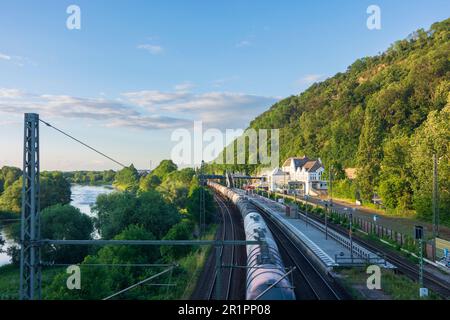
pixel 194 263
pixel 10 280
pixel 393 286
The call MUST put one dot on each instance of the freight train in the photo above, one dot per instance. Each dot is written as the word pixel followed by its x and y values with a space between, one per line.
pixel 264 265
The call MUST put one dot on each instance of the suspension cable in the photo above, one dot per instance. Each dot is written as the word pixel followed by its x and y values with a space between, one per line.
pixel 81 142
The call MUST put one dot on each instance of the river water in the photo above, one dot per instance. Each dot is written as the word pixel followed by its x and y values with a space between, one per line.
pixel 83 197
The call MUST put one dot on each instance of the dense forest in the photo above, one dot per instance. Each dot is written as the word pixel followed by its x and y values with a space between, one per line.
pixel 386 116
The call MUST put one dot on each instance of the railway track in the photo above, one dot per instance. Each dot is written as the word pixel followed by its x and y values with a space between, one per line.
pixel 232 279
pixel 309 282
pixel 403 264
pixel 227 253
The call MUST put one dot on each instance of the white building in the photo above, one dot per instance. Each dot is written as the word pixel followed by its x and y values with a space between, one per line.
pixel 307 172
pixel 302 173
pixel 276 179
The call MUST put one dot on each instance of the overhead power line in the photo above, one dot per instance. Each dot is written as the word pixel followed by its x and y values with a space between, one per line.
pixel 81 142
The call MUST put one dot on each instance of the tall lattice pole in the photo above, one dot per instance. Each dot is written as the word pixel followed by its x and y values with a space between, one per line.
pixel 30 255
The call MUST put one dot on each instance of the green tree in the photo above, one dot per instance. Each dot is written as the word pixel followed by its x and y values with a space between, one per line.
pixel 395 187
pixel 149 182
pixel 433 137
pixel 100 282
pixel 55 189
pixel 11 199
pixel 8 175
pixel 118 210
pixel 193 204
pixel 369 154
pixel 175 187
pixel 183 230
pixel 65 222
pixel 164 168
pixel 127 179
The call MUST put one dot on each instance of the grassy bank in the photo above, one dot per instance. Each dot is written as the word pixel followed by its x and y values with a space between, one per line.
pixel 10 280
pixel 393 286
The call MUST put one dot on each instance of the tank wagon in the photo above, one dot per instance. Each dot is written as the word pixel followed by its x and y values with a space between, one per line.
pixel 264 263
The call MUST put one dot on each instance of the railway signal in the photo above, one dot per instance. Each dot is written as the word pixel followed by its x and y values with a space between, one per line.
pixel 418 234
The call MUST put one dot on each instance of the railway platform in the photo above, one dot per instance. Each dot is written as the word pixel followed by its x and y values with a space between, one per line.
pixel 328 247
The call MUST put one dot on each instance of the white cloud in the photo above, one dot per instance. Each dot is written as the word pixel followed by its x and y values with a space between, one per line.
pixel 150 122
pixel 243 43
pixel 185 86
pixel 4 56
pixel 310 78
pixel 220 109
pixel 111 113
pixel 152 98
pixel 147 109
pixel 17 60
pixel 11 93
pixel 153 49
pixel 221 82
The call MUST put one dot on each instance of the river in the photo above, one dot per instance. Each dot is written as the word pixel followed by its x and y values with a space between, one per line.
pixel 82 198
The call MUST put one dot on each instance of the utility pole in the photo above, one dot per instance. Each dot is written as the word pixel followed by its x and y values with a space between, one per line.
pixel 435 204
pixel 30 253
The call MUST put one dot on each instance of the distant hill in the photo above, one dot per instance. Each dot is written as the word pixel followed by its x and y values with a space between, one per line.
pixel 374 117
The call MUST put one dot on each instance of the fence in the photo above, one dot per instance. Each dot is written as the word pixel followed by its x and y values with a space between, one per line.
pixel 378 230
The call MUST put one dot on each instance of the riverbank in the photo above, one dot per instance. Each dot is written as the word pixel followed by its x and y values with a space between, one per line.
pixel 82 197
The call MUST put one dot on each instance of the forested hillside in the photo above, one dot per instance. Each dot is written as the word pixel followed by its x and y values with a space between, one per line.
pixel 386 116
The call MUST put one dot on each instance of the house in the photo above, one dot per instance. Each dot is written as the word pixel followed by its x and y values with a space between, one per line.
pixel 276 179
pixel 308 172
pixel 298 173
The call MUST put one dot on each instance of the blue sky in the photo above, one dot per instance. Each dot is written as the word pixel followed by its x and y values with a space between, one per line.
pixel 137 70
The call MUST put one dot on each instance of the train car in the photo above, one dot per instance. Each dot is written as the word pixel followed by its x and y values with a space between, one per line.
pixel 265 270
